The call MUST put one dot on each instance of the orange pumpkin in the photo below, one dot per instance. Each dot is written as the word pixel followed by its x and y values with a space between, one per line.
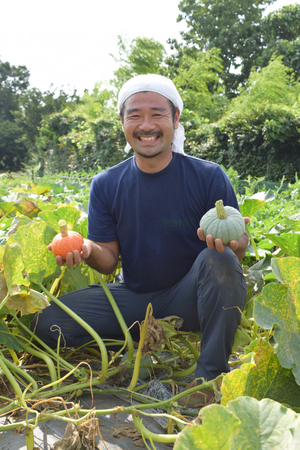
pixel 66 241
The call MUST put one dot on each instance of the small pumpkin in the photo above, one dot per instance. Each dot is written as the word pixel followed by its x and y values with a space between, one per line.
pixel 66 241
pixel 223 222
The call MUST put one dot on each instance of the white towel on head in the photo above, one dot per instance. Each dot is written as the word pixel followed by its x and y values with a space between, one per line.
pixel 161 85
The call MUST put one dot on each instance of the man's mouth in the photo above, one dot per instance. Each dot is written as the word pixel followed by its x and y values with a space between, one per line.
pixel 148 138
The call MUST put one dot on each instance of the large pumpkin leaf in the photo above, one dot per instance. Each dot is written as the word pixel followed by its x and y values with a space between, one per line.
pixel 245 424
pixel 70 214
pixel 26 207
pixel 288 242
pixel 264 425
pixel 286 270
pixel 73 279
pixel 14 268
pixel 33 240
pixel 234 383
pixel 264 379
pixel 215 433
pixel 250 206
pixel 27 301
pixel 280 304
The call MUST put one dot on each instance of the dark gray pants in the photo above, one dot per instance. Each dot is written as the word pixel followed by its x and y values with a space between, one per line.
pixel 209 298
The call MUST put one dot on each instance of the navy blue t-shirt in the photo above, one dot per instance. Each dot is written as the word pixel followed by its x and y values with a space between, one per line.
pixel 155 216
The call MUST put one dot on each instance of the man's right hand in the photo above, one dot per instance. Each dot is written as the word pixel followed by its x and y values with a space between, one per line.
pixel 75 257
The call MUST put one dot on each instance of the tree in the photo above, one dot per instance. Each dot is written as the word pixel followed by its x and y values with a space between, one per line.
pixel 259 134
pixel 282 37
pixel 142 55
pixel 272 85
pixel 200 86
pixel 13 151
pixel 13 81
pixel 232 26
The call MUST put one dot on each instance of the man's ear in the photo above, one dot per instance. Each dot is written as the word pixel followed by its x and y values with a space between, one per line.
pixel 176 118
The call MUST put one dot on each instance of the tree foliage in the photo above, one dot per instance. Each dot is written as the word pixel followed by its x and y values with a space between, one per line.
pixel 245 37
pixel 232 26
pixel 142 55
pixel 282 37
pixel 260 133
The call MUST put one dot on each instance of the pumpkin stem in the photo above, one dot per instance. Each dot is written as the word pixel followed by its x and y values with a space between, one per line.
pixel 63 227
pixel 221 211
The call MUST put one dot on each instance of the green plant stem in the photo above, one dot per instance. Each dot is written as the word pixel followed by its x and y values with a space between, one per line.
pixel 48 349
pixel 119 317
pixel 74 386
pixel 111 411
pixel 86 326
pixel 156 437
pixel 138 356
pixel 252 242
pixel 29 439
pixel 10 377
pixel 191 348
pixel 22 373
pixel 44 357
pixel 4 300
pixel 185 372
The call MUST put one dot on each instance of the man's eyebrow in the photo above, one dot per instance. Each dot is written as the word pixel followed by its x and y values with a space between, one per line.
pixel 154 108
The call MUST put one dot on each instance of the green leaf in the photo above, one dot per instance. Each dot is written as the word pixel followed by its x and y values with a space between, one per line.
pixel 70 214
pixel 26 207
pixel 74 278
pixel 265 379
pixel 215 432
pixel 264 424
pixel 234 383
pixel 286 270
pixel 245 424
pixel 8 339
pixel 288 242
pixel 27 301
pixel 250 206
pixel 280 304
pixel 13 264
pixel 33 240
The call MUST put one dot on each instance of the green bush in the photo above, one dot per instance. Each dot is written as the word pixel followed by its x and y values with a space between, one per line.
pixel 260 142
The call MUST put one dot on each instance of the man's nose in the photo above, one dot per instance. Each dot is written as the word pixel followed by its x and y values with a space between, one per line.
pixel 146 123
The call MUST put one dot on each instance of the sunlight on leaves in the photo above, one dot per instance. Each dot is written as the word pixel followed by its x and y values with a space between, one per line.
pixel 70 214
pixel 250 206
pixel 214 433
pixel 13 263
pixel 38 260
pixel 264 424
pixel 264 379
pixel 279 304
pixel 27 301
pixel 288 242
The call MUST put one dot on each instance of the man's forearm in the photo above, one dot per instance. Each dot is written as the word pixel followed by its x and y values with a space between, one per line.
pixel 102 258
pixel 242 246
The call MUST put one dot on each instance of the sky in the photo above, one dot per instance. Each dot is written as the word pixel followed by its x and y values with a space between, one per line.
pixel 66 44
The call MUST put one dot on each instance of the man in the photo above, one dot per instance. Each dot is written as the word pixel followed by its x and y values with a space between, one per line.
pixel 147 209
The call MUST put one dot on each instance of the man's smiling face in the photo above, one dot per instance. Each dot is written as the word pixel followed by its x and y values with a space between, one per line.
pixel 148 123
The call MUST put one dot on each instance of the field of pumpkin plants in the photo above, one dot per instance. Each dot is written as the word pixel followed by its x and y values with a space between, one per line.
pixel 258 401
